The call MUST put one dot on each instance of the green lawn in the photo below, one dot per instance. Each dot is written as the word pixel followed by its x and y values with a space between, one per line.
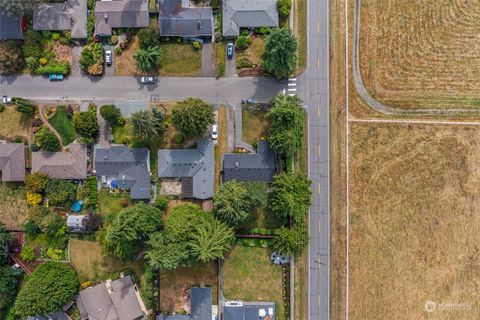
pixel 220 57
pixel 249 275
pixel 64 125
pixel 13 204
pixel 180 60
pixel 255 125
pixel 109 203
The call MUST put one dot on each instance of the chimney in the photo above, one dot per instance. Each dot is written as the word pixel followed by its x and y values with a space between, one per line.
pixel 105 16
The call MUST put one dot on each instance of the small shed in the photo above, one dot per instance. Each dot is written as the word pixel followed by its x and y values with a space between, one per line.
pixel 77 222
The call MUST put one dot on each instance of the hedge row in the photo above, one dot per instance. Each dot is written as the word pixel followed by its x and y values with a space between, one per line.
pixel 92 191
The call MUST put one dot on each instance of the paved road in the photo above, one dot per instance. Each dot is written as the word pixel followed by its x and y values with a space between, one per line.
pixel 123 88
pixel 313 88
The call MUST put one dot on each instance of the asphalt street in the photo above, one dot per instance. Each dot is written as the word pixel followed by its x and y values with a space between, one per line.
pixel 313 88
pixel 129 88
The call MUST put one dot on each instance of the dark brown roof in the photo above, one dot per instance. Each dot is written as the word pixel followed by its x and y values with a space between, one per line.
pixel 62 165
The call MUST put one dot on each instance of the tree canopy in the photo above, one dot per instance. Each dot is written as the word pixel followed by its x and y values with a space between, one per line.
pixel 111 114
pixel 280 56
pixel 9 281
pixel 148 37
pixel 148 59
pixel 4 239
pixel 286 131
pixel 291 241
pixel 36 182
pixel 290 196
pixel 192 116
pixel 190 235
pixel 47 140
pixel 20 7
pixel 60 192
pixel 47 290
pixel 85 124
pixel 11 56
pixel 284 7
pixel 125 233
pixel 235 201
pixel 147 125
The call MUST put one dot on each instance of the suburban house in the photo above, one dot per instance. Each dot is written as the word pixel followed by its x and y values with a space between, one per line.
pixel 199 306
pixel 260 166
pixel 193 167
pixel 71 165
pixel 113 14
pixel 68 15
pixel 248 14
pixel 11 27
pixel 12 162
pixel 124 168
pixel 178 19
pixel 59 315
pixel 119 299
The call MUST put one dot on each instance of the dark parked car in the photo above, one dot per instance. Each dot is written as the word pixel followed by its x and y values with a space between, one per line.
pixel 230 50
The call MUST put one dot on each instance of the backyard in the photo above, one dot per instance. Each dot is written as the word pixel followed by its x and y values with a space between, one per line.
pixel 15 124
pixel 414 223
pixel 109 203
pixel 255 126
pixel 173 285
pixel 13 211
pixel 249 275
pixel 64 125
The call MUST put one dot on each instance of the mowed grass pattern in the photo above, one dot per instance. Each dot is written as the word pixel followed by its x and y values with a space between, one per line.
pixel 64 125
pixel 180 60
pixel 414 222
pixel 249 275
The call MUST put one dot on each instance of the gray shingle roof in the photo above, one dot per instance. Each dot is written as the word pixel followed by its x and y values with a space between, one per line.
pixel 130 166
pixel 12 161
pixel 176 20
pixel 62 165
pixel 120 14
pixel 258 166
pixel 248 14
pixel 201 303
pixel 69 15
pixel 118 303
pixel 10 27
pixel 195 163
pixel 250 310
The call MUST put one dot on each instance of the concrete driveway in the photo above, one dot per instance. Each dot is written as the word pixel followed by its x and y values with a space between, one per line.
pixel 110 70
pixel 207 60
pixel 231 70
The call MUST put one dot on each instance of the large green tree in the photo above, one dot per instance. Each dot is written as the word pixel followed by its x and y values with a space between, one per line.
pixel 47 140
pixel 111 114
pixel 192 116
pixel 20 7
pixel 148 59
pixel 60 192
pixel 124 234
pixel 9 281
pixel 280 56
pixel 288 118
pixel 165 252
pixel 211 240
pixel 4 239
pixel 147 125
pixel 233 203
pixel 291 241
pixel 36 182
pixel 290 196
pixel 85 124
pixel 51 286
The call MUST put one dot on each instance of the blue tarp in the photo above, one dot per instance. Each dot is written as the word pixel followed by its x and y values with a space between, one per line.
pixel 114 184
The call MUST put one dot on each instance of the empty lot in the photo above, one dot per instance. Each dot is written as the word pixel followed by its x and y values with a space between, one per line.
pixel 421 53
pixel 414 221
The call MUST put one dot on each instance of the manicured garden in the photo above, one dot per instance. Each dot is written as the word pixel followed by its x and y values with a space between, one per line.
pixel 62 122
pixel 249 275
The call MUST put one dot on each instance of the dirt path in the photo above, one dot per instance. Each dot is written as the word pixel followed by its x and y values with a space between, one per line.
pixel 375 104
pixel 47 124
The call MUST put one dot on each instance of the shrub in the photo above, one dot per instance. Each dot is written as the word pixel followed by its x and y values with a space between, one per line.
pixel 241 43
pixel 249 40
pixel 284 7
pixel 11 58
pixel 91 4
pixel 27 254
pixel 245 32
pixel 61 67
pixel 43 61
pixel 60 192
pixel 47 140
pixel 55 36
pixel 28 109
pixel 31 227
pixel 196 45
pixel 179 138
pixel 244 62
pixel 92 55
pixel 54 254
pixel 32 46
pixel 118 51
pixel 64 41
pixel 111 114
pixel 263 30
pixel 161 203
pixel 114 39
pixel 34 199
pixel 36 182
pixel 67 35
pixel 148 37
pixel 2 107
pixel 32 64
pixel 46 34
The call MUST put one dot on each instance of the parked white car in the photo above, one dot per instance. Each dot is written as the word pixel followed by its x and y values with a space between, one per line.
pixel 214 132
pixel 6 100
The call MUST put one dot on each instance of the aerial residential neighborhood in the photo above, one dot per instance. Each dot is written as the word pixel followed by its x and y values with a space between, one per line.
pixel 239 159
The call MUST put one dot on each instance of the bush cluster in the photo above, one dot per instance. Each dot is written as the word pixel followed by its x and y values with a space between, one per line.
pixel 92 58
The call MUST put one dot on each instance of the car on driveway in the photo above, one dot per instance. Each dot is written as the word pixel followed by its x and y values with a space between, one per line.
pixel 148 80
pixel 6 100
pixel 55 77
pixel 214 132
pixel 230 50
pixel 108 57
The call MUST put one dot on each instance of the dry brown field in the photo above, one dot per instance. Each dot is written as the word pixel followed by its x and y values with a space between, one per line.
pixel 414 221
pixel 421 54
